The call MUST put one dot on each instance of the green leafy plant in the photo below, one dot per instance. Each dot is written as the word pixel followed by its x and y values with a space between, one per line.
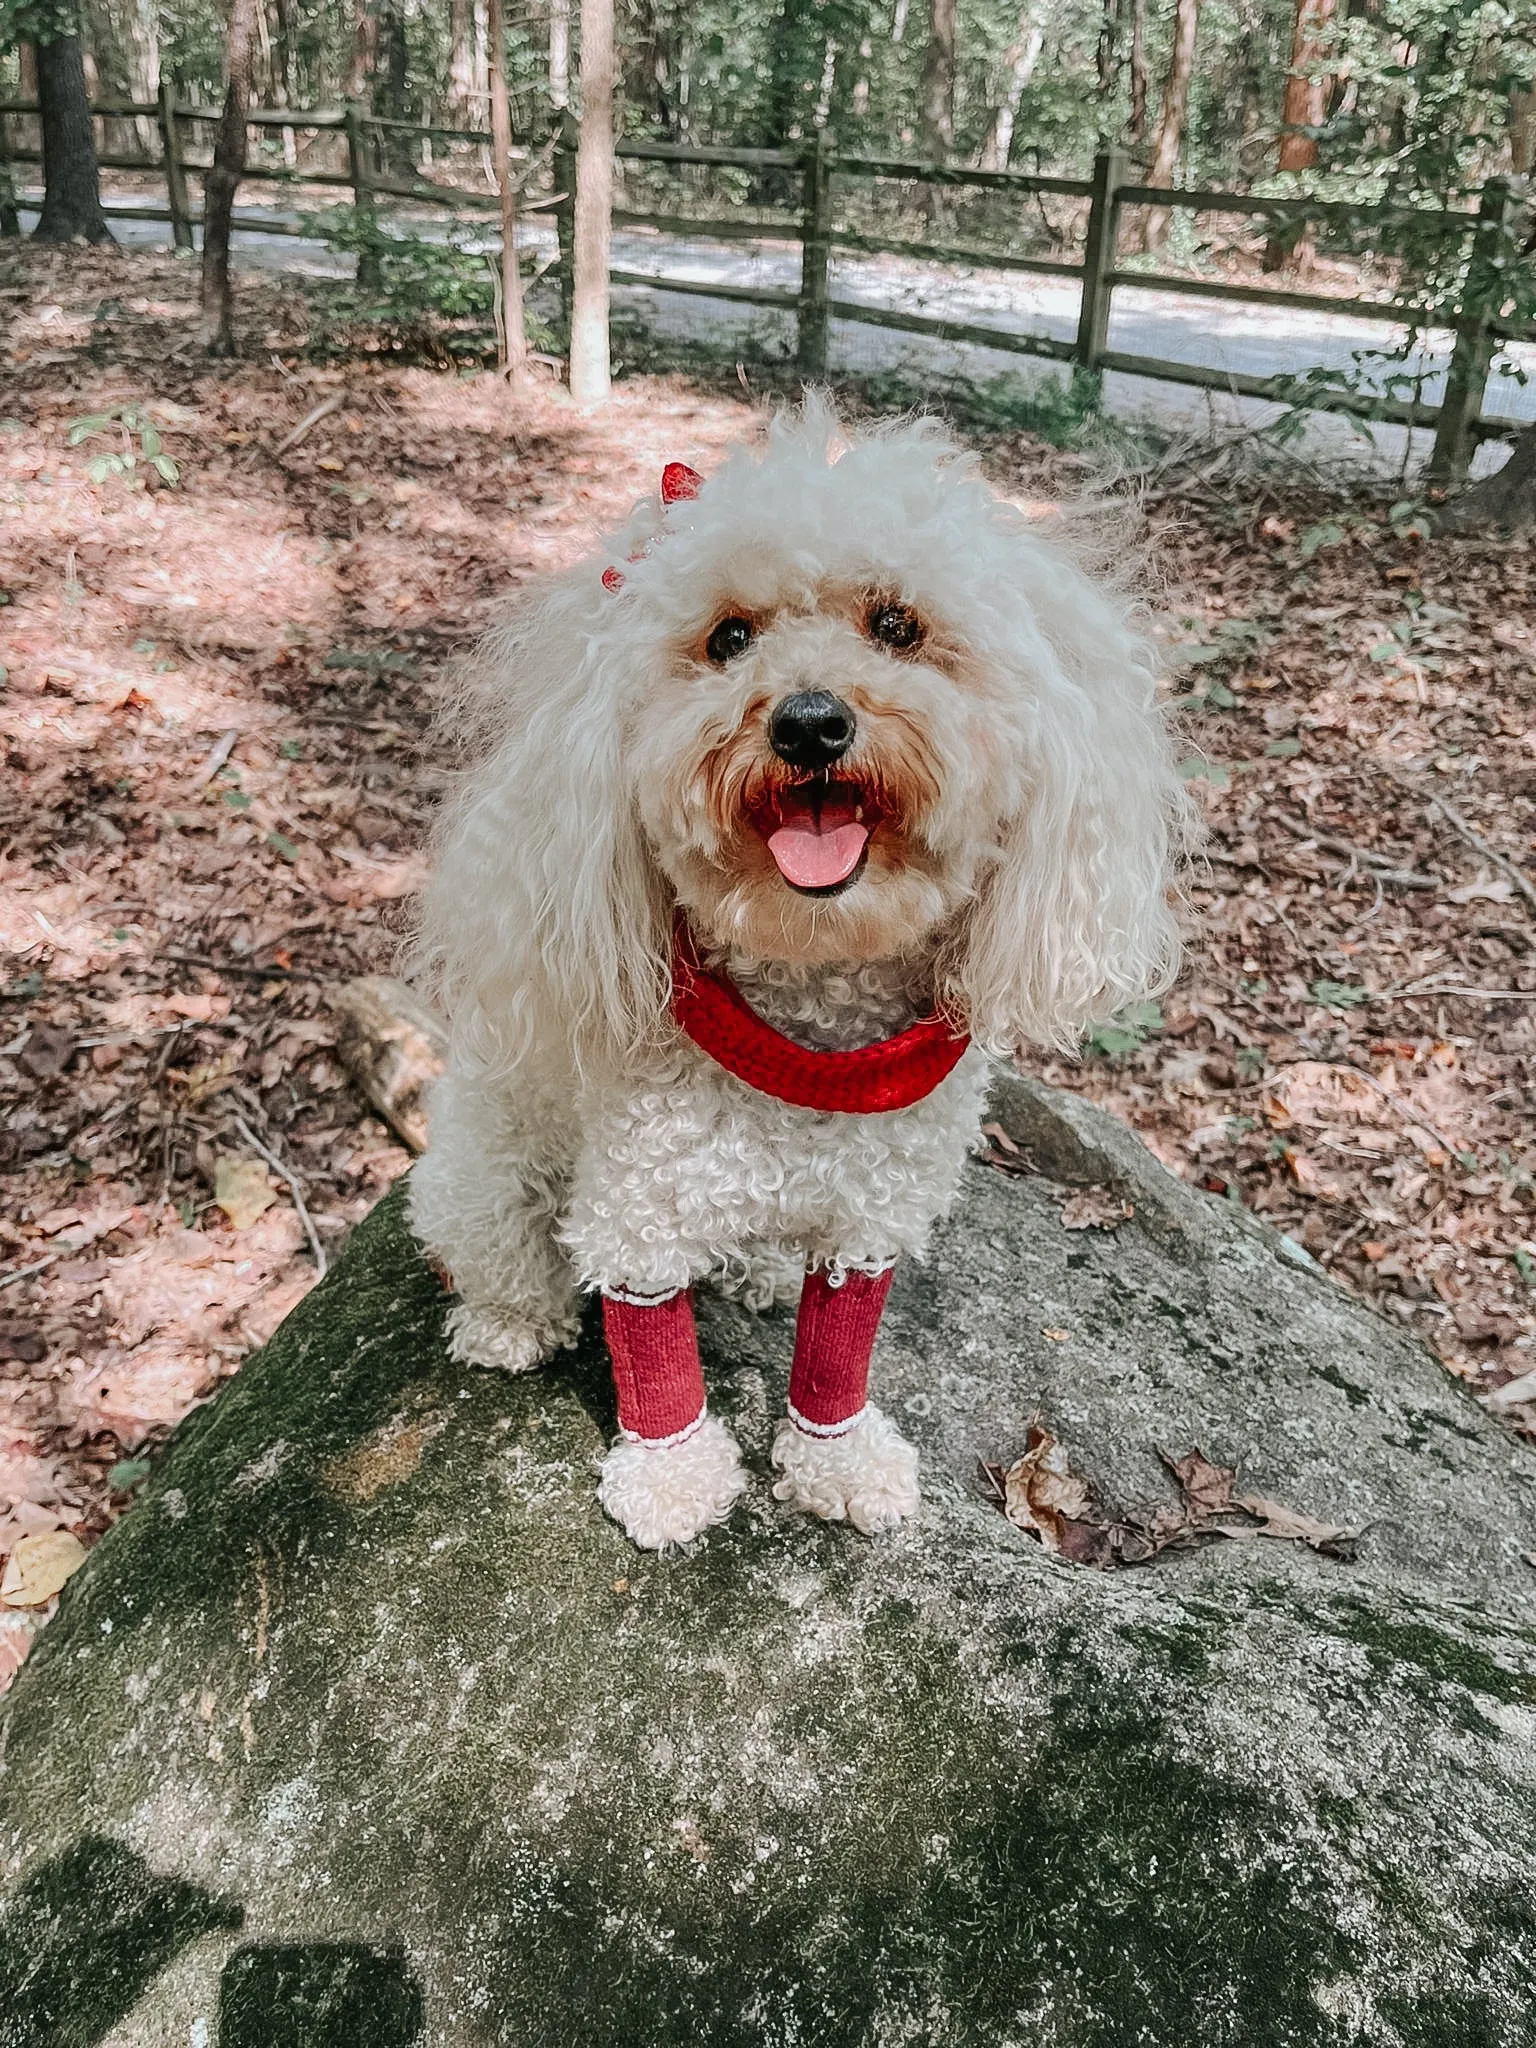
pixel 1216 773
pixel 1125 1033
pixel 438 296
pixel 139 440
pixel 1230 645
pixel 1339 995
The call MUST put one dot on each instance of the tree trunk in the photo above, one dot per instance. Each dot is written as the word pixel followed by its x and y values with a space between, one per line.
pixel 392 95
pixel 287 56
pixel 463 109
pixel 1304 107
pixel 859 98
pixel 1019 61
pixel 1251 146
pixel 559 53
pixel 1138 122
pixel 938 90
pixel 514 353
pixel 1506 499
pixel 1522 131
pixel 71 180
pixel 217 326
pixel 125 42
pixel 1107 54
pixel 10 219
pixel 590 370
pixel 1169 138
pixel 363 52
pixel 1306 87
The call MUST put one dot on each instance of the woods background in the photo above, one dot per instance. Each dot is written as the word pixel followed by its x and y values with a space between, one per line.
pixel 1369 97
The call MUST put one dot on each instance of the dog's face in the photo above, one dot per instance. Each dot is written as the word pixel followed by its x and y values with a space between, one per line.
pixel 844 704
pixel 824 762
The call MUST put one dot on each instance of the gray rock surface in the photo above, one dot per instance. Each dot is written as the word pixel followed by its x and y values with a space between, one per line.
pixel 366 1729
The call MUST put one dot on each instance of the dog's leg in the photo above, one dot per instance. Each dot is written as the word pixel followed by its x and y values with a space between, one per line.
pixel 766 1276
pixel 840 1457
pixel 484 1203
pixel 675 1469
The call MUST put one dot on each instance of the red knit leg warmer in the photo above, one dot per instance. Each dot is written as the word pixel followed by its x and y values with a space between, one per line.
pixel 656 1369
pixel 833 1341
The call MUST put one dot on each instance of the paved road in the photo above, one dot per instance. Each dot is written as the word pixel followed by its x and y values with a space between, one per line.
pixel 1257 340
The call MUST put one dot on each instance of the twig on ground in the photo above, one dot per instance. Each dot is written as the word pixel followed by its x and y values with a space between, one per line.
pixel 37 1266
pixel 222 750
pixel 1473 837
pixel 287 1174
pixel 310 421
pixel 1379 864
pixel 237 967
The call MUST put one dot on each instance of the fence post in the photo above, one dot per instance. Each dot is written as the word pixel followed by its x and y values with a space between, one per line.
pixel 360 173
pixel 1466 380
pixel 10 219
pixel 1099 257
pixel 175 169
pixel 565 210
pixel 815 256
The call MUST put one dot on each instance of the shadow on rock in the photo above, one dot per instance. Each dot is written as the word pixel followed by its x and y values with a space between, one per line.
pixel 86 1935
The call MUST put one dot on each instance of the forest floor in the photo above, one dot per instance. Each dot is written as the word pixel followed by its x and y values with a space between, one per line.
pixel 218 768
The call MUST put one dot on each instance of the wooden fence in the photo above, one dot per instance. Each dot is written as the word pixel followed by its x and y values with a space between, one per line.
pixel 810 171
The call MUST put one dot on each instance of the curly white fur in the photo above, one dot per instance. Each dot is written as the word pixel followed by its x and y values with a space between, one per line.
pixel 867 1475
pixel 1020 879
pixel 666 1494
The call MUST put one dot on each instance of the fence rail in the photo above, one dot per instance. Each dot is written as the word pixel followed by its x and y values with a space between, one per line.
pixel 1458 421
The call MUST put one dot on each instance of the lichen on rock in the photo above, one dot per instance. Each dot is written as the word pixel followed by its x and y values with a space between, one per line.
pixel 366 1723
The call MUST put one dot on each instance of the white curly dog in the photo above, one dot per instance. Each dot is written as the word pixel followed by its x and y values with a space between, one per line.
pixel 826 778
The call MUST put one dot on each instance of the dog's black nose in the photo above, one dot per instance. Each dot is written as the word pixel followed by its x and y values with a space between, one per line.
pixel 811 729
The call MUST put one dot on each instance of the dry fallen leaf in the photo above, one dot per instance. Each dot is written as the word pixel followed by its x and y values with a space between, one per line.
pixel 242 1190
pixel 1041 1494
pixel 23 1342
pixel 1483 890
pixel 1041 1487
pixel 39 1566
pixel 1514 1393
pixel 1096 1208
pixel 1207 1488
pixel 1291 1527
pixel 1004 1152
pixel 207 1079
pixel 197 1009
pixel 48 1051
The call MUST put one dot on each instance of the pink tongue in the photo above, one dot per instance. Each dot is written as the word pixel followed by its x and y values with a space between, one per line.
pixel 818 852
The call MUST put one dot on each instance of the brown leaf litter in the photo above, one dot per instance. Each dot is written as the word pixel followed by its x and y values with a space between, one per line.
pixel 1042 1495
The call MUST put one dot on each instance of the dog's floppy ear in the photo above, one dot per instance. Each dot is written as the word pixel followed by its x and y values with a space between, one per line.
pixel 1072 919
pixel 542 915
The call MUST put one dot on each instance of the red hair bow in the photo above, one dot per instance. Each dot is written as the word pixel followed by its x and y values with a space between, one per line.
pixel 678 481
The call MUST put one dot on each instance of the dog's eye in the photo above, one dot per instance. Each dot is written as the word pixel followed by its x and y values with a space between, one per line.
pixel 731 637
pixel 895 626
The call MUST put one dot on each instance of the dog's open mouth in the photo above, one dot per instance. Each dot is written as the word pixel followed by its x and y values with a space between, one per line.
pixel 818 833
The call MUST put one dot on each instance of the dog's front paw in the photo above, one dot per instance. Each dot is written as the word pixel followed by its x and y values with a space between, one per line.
pixel 867 1476
pixel 508 1343
pixel 661 1494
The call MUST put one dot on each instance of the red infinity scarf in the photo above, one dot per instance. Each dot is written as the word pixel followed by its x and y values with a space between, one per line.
pixel 892 1074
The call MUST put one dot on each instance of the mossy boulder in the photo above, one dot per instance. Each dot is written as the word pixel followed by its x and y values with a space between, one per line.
pixel 366 1729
